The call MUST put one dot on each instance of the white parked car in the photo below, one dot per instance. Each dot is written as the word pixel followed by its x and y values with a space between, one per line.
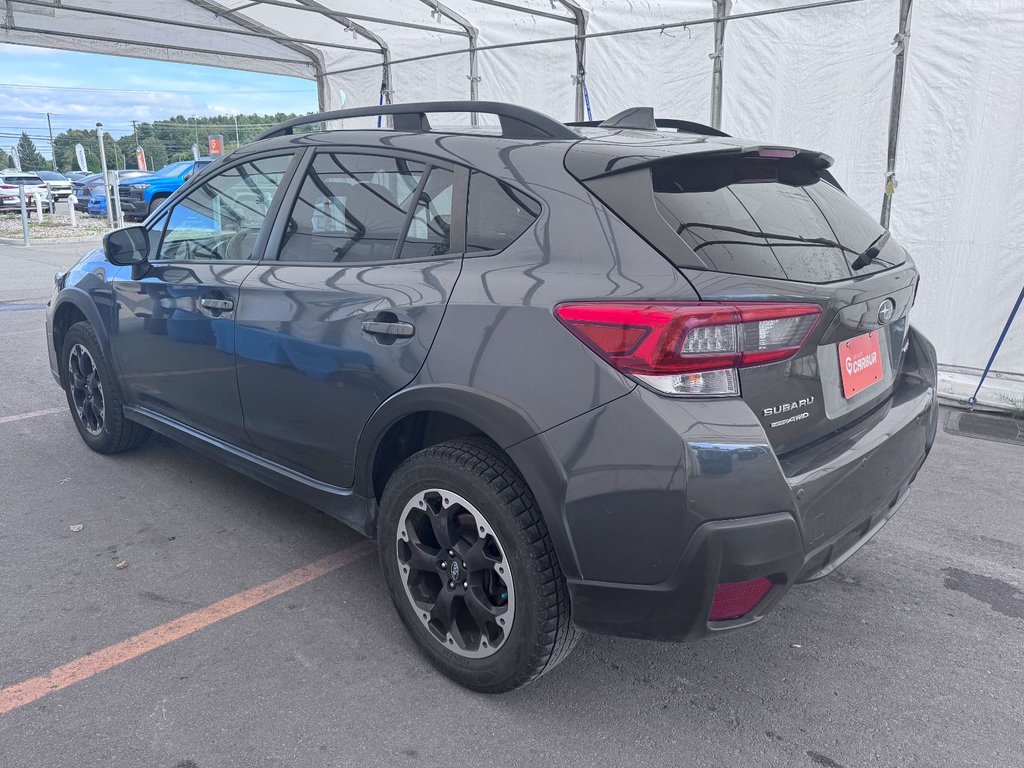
pixel 10 189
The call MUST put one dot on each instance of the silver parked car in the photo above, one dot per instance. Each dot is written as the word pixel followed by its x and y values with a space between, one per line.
pixel 58 184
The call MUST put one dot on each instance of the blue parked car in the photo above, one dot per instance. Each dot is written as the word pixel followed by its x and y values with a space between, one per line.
pixel 141 195
pixel 97 205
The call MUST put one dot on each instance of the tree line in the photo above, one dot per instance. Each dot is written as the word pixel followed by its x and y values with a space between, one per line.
pixel 164 141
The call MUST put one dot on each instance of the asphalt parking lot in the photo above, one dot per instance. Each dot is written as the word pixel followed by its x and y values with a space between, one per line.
pixel 912 654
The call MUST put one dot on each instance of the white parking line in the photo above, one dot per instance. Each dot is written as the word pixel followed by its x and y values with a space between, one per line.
pixel 30 415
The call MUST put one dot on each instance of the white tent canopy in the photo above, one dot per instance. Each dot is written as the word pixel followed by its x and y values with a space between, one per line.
pixel 820 76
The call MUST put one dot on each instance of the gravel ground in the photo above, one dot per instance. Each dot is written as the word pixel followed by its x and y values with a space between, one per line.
pixel 53 226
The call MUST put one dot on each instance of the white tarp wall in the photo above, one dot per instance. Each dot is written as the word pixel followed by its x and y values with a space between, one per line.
pixel 819 78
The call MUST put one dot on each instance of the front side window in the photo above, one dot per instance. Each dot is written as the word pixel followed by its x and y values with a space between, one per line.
pixel 354 208
pixel 220 220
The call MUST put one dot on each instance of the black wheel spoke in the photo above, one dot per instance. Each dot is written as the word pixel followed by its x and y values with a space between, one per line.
pixel 422 558
pixel 441 522
pixel 481 610
pixel 443 610
pixel 477 558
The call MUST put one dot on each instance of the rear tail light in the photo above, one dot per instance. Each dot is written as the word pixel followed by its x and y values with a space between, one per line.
pixel 738 598
pixel 7 186
pixel 692 348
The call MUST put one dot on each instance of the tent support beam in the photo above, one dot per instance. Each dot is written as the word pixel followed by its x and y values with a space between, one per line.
pixel 579 16
pixel 151 44
pixel 474 35
pixel 255 30
pixel 346 18
pixel 315 57
pixel 595 35
pixel 899 73
pixel 579 19
pixel 722 9
pixel 386 89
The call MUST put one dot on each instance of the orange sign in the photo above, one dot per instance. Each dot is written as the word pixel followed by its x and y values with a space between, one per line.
pixel 216 144
pixel 860 363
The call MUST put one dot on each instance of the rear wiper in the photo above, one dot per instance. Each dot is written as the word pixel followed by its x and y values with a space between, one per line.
pixel 765 235
pixel 871 252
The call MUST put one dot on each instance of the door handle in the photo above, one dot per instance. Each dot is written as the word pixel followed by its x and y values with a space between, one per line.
pixel 380 328
pixel 217 305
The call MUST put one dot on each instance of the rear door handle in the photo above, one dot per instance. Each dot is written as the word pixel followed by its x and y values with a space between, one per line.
pixel 218 305
pixel 379 328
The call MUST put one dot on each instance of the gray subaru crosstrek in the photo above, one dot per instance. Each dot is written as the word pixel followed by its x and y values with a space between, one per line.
pixel 635 377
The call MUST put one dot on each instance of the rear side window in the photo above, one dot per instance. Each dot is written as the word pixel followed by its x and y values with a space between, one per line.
pixel 498 214
pixel 354 208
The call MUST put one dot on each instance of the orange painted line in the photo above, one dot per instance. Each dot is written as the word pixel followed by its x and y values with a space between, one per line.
pixel 33 689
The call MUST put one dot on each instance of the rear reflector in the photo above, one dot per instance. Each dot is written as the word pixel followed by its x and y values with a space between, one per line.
pixel 738 598
pixel 692 348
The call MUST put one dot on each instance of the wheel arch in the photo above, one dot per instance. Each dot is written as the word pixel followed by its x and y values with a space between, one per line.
pixel 72 306
pixel 444 412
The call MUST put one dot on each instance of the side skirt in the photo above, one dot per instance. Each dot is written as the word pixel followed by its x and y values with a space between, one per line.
pixel 354 510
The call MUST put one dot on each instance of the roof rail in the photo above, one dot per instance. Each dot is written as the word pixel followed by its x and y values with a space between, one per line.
pixel 516 122
pixel 642 119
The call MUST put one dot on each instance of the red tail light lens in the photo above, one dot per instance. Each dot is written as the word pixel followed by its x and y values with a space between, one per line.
pixel 738 598
pixel 692 348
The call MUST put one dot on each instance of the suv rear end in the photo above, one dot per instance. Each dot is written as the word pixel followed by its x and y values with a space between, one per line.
pixel 785 404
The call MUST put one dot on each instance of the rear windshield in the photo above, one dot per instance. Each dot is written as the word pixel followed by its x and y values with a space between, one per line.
pixel 764 218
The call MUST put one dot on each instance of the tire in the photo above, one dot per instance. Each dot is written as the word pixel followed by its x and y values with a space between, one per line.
pixel 508 621
pixel 155 203
pixel 94 396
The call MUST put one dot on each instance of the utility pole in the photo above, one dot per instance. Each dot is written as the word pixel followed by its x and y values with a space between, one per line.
pixel 197 128
pixel 106 175
pixel 135 130
pixel 238 141
pixel 53 151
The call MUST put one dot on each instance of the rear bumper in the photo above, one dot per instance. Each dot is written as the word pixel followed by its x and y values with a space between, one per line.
pixel 666 499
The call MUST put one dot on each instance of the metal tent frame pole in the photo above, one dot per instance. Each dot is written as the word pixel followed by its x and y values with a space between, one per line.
pixel 473 34
pixel 579 19
pixel 386 87
pixel 899 74
pixel 722 9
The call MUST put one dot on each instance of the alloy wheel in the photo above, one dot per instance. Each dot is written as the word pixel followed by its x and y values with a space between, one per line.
pixel 86 389
pixel 455 573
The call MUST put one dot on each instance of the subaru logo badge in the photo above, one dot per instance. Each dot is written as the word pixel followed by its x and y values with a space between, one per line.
pixel 454 571
pixel 886 311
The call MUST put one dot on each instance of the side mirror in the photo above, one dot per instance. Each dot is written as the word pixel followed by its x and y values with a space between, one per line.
pixel 127 247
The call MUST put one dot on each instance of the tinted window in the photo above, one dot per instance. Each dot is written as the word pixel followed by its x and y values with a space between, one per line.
pixel 498 214
pixel 767 219
pixel 430 229
pixel 351 208
pixel 221 218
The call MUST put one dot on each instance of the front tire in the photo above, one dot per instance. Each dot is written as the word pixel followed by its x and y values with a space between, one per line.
pixel 93 395
pixel 471 569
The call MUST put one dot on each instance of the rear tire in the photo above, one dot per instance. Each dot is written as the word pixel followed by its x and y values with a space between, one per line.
pixel 94 396
pixel 496 616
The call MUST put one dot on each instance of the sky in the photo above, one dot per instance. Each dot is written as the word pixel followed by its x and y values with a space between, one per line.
pixel 82 89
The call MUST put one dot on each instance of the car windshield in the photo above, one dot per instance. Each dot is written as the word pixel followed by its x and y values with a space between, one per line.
pixel 174 169
pixel 22 178
pixel 51 176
